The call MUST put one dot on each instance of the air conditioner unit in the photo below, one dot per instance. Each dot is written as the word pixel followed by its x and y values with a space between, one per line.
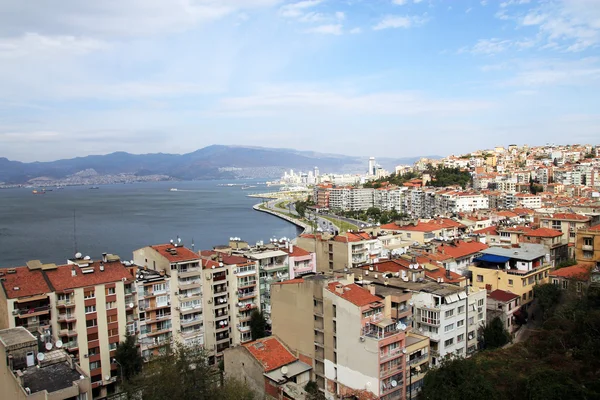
pixel 362 338
pixel 124 279
pixel 177 308
pixel 16 312
pixel 234 271
pixel 209 276
pixel 209 301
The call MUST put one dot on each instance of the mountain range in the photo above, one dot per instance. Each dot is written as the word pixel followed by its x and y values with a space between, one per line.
pixel 211 162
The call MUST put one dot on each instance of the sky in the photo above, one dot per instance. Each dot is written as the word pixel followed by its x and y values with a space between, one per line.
pixel 388 78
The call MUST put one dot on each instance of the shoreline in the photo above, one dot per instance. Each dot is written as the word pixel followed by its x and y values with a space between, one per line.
pixel 306 228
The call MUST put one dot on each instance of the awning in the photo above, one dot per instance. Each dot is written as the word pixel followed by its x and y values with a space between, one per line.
pixel 491 258
pixel 451 298
pixel 33 298
pixel 462 295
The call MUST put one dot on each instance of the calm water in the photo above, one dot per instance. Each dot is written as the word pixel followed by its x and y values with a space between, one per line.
pixel 121 218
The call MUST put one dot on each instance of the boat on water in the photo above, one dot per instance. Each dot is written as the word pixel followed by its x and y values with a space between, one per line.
pixel 39 191
pixel 95 187
pixel 173 189
pixel 248 187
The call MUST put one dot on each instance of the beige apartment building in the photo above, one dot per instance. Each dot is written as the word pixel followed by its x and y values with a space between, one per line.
pixel 587 245
pixel 84 307
pixel 567 223
pixel 347 333
pixel 29 373
pixel 347 250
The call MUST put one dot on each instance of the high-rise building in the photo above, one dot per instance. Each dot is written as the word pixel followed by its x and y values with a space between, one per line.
pixel 372 166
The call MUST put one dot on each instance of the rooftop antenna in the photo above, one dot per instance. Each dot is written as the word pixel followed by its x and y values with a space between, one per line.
pixel 74 232
pixel 193 244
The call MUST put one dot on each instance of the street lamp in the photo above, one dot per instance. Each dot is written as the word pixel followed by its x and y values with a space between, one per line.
pixel 114 360
pixel 412 370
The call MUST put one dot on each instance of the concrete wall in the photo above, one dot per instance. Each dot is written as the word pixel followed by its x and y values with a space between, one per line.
pixel 240 364
pixel 4 307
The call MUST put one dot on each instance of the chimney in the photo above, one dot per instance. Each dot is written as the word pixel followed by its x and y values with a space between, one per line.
pixel 101 267
pixel 104 258
pixel 371 288
pixel 73 272
pixel 448 273
pixel 291 248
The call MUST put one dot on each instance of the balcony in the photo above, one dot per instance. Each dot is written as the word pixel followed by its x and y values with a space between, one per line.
pixel 65 303
pixel 418 360
pixel 161 330
pixel 66 317
pixel 246 295
pixel 274 267
pixel 430 321
pixel 246 284
pixel 587 247
pixel 189 284
pixel 387 372
pixel 190 321
pixel 189 272
pixel 244 329
pixel 67 332
pixel 246 272
pixel 32 311
pixel 71 346
pixel 219 277
pixel 393 353
pixel 358 250
pixel 246 306
pixel 190 308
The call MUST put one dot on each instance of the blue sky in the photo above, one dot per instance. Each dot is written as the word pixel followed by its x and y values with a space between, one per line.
pixel 379 77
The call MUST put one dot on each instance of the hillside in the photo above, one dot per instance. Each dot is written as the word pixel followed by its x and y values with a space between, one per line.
pixel 212 162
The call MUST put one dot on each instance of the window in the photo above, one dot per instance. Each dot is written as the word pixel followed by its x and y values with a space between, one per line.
pixel 93 351
pixel 471 320
pixel 588 254
pixel 159 287
pixel 588 241
pixel 94 365
pixel 449 313
pixel 448 327
pixel 460 323
pixel 110 290
pixel 90 309
pixel 112 346
pixel 556 225
pixel 525 297
pixel 111 304
pixel 555 281
pixel 565 284
pixel 113 332
pixel 480 316
pixel 460 338
pixel 479 278
pixel 449 342
pixel 480 302
pixel 93 336
pixel 89 294
pixel 524 282
pixel 579 287
pixel 162 301
pixel 334 311
pixel 91 323
pixel 530 294
pixel 510 282
pixel 112 318
pixel 461 309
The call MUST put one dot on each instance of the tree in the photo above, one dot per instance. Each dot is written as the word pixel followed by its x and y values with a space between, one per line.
pixel 566 263
pixel 495 335
pixel 547 296
pixel 313 392
pixel 258 325
pixel 128 358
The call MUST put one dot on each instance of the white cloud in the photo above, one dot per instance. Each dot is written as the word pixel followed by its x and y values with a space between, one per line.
pixel 399 2
pixel 296 10
pixel 36 44
pixel 340 15
pixel 483 2
pixel 399 21
pixel 330 29
pixel 281 101
pixel 553 72
pixel 488 47
pixel 468 10
pixel 356 30
pixel 311 17
pixel 417 1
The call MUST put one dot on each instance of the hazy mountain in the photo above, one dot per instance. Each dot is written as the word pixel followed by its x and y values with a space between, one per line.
pixel 206 163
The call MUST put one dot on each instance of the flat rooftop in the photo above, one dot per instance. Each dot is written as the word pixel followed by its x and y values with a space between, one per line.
pixel 16 336
pixel 52 378
pixel 526 251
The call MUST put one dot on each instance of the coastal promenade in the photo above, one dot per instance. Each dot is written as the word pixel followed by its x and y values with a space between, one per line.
pixel 269 208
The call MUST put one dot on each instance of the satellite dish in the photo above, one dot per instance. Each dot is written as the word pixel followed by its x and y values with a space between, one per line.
pixel 58 344
pixel 49 346
pixel 107 377
pixel 394 383
pixel 131 305
pixel 78 255
pixel 87 258
pixel 284 370
pixel 41 356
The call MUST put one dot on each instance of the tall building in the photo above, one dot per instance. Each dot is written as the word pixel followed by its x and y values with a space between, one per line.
pixel 84 306
pixel 345 331
pixel 371 166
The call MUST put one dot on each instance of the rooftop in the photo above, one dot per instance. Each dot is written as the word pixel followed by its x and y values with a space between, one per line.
pixel 270 352
pixel 354 293
pixel 545 233
pixel 503 295
pixel 175 253
pixel 16 336
pixel 580 272
pixel 52 378
pixel 23 282
pixel 62 277
pixel 459 249
pixel 525 251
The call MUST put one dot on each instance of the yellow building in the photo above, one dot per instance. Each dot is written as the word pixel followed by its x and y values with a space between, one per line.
pixel 516 269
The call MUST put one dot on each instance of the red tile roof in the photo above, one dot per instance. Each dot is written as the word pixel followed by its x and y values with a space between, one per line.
pixel 62 279
pixel 594 228
pixel 545 232
pixel 443 273
pixel 503 295
pixel 567 216
pixel 297 252
pixel 208 264
pixel 580 272
pixel 355 294
pixel 183 254
pixel 462 249
pixel 430 226
pixel 270 352
pixel 490 230
pixel 29 282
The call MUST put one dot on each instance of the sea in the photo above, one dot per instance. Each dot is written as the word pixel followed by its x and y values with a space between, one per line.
pixel 121 218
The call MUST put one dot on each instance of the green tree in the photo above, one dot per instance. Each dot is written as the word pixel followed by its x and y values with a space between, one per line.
pixel 566 263
pixel 128 358
pixel 547 297
pixel 494 334
pixel 313 392
pixel 258 325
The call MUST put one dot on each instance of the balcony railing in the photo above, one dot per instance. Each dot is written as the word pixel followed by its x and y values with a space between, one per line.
pixel 390 371
pixel 32 310
pixel 390 354
pixel 418 360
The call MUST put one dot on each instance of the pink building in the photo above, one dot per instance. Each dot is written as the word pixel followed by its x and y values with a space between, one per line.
pixel 301 262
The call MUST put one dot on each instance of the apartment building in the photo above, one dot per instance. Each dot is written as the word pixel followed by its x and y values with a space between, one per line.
pixel 417 363
pixel 28 372
pixel 80 307
pixel 516 269
pixel 346 250
pixel 587 245
pixel 427 230
pixel 175 289
pixel 567 223
pixel 504 305
pixel 345 331
pixel 550 238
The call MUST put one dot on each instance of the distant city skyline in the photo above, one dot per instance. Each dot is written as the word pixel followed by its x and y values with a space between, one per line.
pixel 384 78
